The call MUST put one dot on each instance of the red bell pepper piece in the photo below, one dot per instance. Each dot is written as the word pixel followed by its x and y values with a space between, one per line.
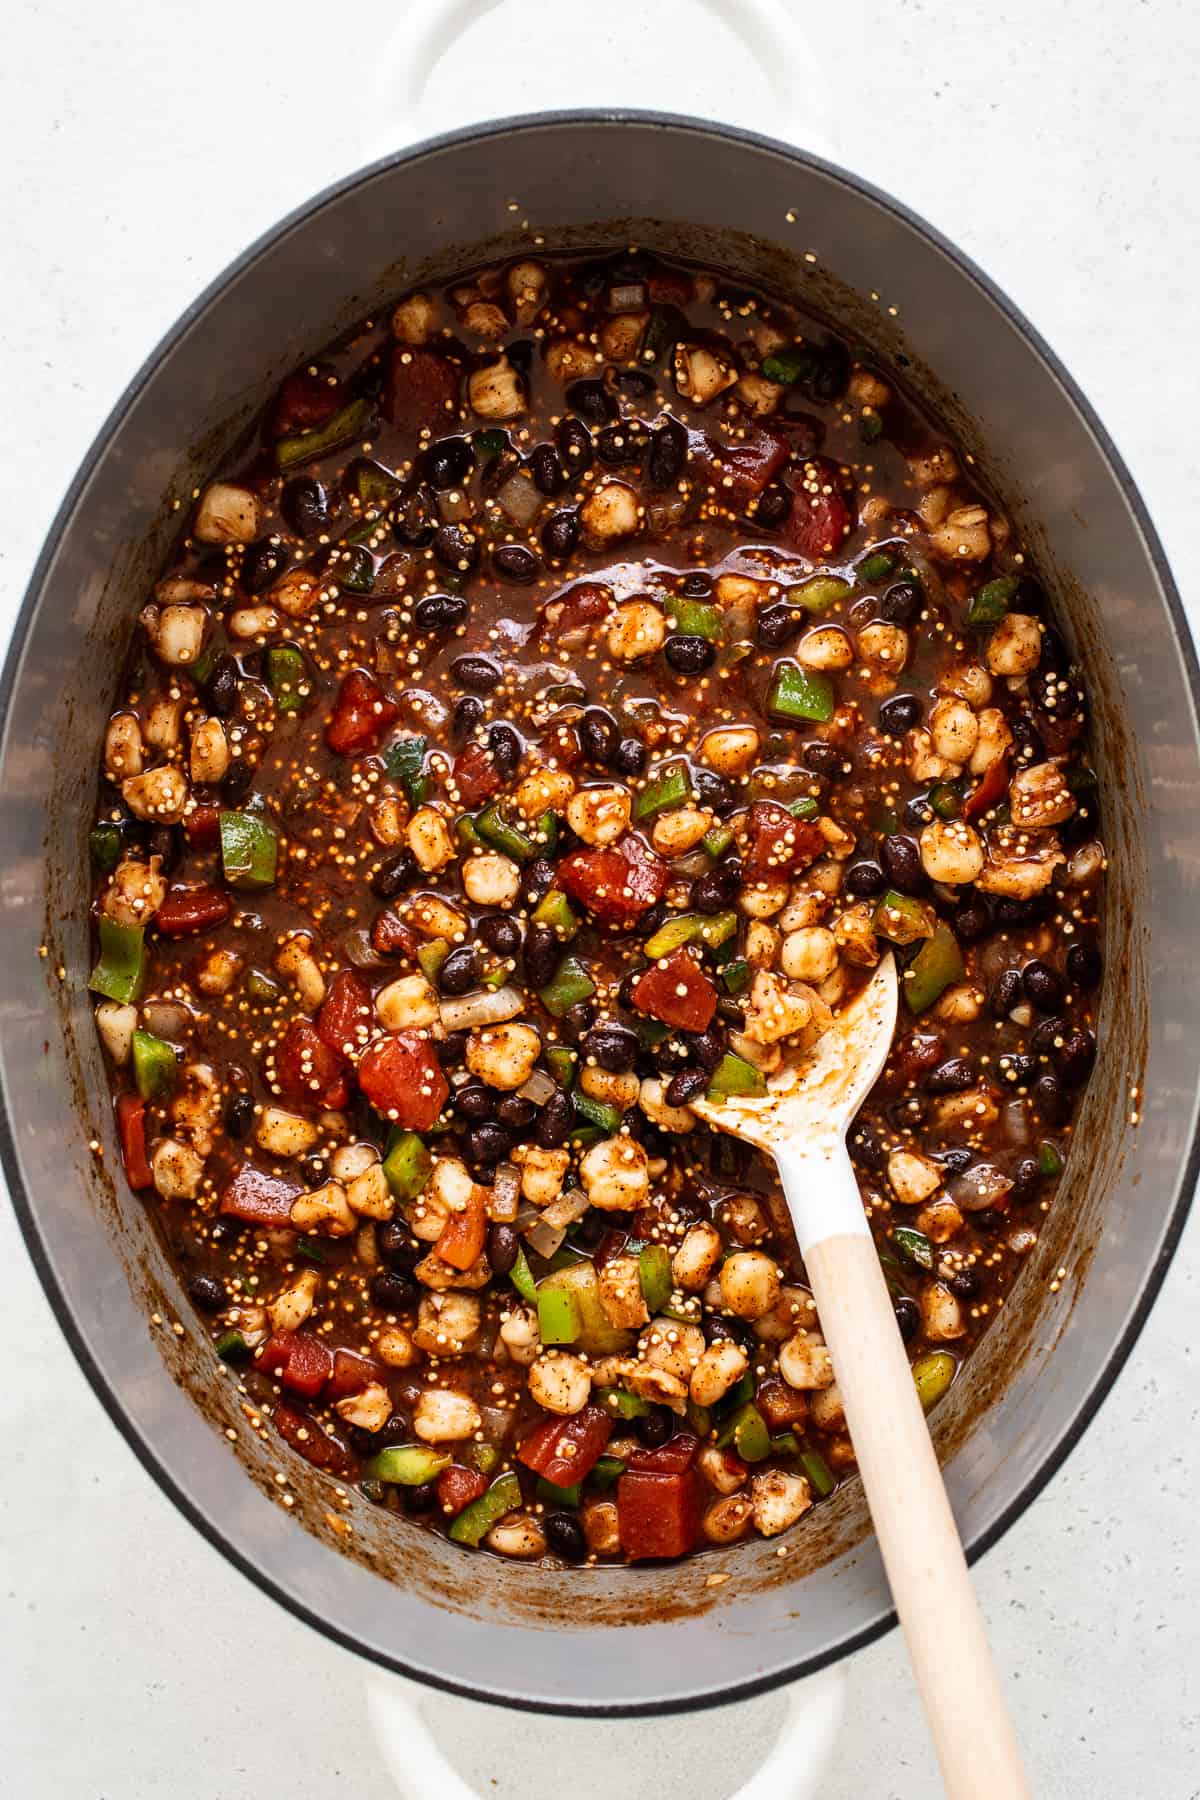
pixel 202 827
pixel 658 1515
pixel 346 1008
pixel 464 1233
pixel 351 1373
pixel 820 516
pixel 361 714
pixel 743 470
pixel 421 389
pixel 780 845
pixel 301 1361
pixel 259 1198
pixel 671 1458
pixel 617 886
pixel 131 1124
pixel 564 1451
pixel 476 775
pixel 307 1071
pixel 667 287
pixel 390 936
pixel 187 910
pixel 585 604
pixel 402 1079
pixel 990 791
pixel 306 1436
pixel 677 991
pixel 457 1487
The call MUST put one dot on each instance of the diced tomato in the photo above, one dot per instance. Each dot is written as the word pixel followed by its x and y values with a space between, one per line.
pixel 780 1405
pixel 743 470
pixel 671 1458
pixel 677 991
pixel 307 1071
pixel 301 1361
pixel 561 743
pixel 585 604
pixel 780 845
pixel 351 1373
pixel 402 1079
pixel 259 1198
pixel 820 516
pixel 202 827
pixel 306 1436
pixel 457 1487
pixel 390 936
pixel 476 775
pixel 187 910
pixel 421 389
pixel 361 714
pixel 346 1007
pixel 304 400
pixel 990 792
pixel 669 287
pixel 658 1515
pixel 462 1239
pixel 617 886
pixel 131 1124
pixel 565 1451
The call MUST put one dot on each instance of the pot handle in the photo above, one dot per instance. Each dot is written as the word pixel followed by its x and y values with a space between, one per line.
pixel 795 1767
pixel 762 68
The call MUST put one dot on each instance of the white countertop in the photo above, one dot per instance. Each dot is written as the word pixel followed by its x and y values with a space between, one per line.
pixel 146 144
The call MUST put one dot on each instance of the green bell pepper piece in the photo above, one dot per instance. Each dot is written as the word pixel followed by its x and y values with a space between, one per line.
pixel 558 1315
pixel 431 956
pixel 495 830
pixel 806 808
pixel 821 1477
pixel 933 1375
pixel 696 618
pixel 484 1457
pixel 407 1165
pixel 818 593
pixel 733 1075
pixel 903 919
pixel 699 1418
pixel 606 1118
pixel 913 1246
pixel 559 1496
pixel 554 909
pixel 746 1430
pixel 372 484
pixel 546 832
pixel 468 837
pixel 798 694
pixel 690 928
pixel 875 566
pixel 667 787
pixel 232 1347
pixel 605 1472
pixel 104 846
pixel 626 1406
pixel 786 367
pixel 1049 1160
pixel 155 1065
pixel 561 1063
pixel 736 976
pixel 476 1520
pixel 521 1276
pixel 353 567
pixel 990 604
pixel 262 987
pixel 717 840
pixel 569 984
pixel 285 676
pixel 654 1273
pixel 488 444
pixel 407 1465
pixel 785 1443
pixel 936 965
pixel 738 1396
pixel 120 971
pixel 405 763
pixel 305 446
pixel 945 800
pixel 249 850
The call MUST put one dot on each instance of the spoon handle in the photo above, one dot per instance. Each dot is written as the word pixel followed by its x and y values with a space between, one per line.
pixel 914 1525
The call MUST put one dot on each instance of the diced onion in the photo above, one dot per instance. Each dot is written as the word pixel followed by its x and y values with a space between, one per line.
pixel 538 1088
pixel 519 499
pixel 360 950
pixel 1016 1122
pixel 506 1193
pixel 567 1208
pixel 980 1186
pixel 166 1019
pixel 487 1006
pixel 696 862
pixel 545 1239
pixel 496 1422
pixel 628 297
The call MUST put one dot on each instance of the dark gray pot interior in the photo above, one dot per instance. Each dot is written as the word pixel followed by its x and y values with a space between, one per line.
pixel 624 1640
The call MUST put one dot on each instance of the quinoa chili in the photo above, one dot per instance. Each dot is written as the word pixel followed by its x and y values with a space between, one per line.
pixel 549 716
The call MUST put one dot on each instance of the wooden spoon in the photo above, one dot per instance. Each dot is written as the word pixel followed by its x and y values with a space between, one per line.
pixel 802 1122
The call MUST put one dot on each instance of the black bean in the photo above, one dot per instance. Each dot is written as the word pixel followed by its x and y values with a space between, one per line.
pixel 164 842
pixel 1019 912
pixel 574 442
pixel 577 1020
pixel 612 1047
pixel 536 879
pixel 688 1085
pixel 822 758
pixel 456 548
pixel 394 1430
pixel 1085 965
pixel 670 1055
pixel 778 625
pixel 487 1144
pixel 956 1161
pixel 564 1536
pixel 1026 1179
pixel 469 711
pixel 908 1316
pixel 392 1291
pixel 480 673
pixel 650 921
pixel 449 462
pixel 1027 740
pixel 542 954
pixel 902 603
pixel 866 1147
pixel 208 1293
pixel 708 1047
pixel 629 758
pixel 503 1244
pixel 505 748
pixel 239 1115
pixel 305 505
pixel 545 465
pixel 718 1330
pixel 1005 991
pixel 451 1049
pixel 515 1112
pixel 953 1076
pixel 440 612
pixel 918 813
pixel 556 1121
pixel 420 1499
pixel 592 401
pixel 655 1427
pixel 697 584
pixel 515 563
pixel 520 354
pixel 397 1246
pixel 902 861
pixel 560 533
pixel 393 875
pixel 628 982
pixel 899 714
pixel 712 790
pixel 1047 1035
pixel 864 879
pixel 668 455
pixel 773 506
pixel 621 443
pixel 1052 1099
pixel 717 889
pixel 458 973
pixel 964 1284
pixel 599 734
pixel 473 1102
pixel 313 1171
pixel 414 518
pixel 264 562
pixel 501 934
pixel 1075 1055
pixel 221 688
pixel 1017 1068
pixel 971 920
pixel 729 1010
pixel 239 779
pixel 1043 985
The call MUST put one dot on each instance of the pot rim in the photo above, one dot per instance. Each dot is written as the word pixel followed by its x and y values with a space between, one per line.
pixel 107 1395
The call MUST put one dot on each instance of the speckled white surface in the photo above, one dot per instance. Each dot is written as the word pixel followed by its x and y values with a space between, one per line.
pixel 1058 145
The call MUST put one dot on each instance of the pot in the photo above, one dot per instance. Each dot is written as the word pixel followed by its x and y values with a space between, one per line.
pixel 611 1640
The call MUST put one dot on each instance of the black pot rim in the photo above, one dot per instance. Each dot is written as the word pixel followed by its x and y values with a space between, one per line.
pixel 23 1206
